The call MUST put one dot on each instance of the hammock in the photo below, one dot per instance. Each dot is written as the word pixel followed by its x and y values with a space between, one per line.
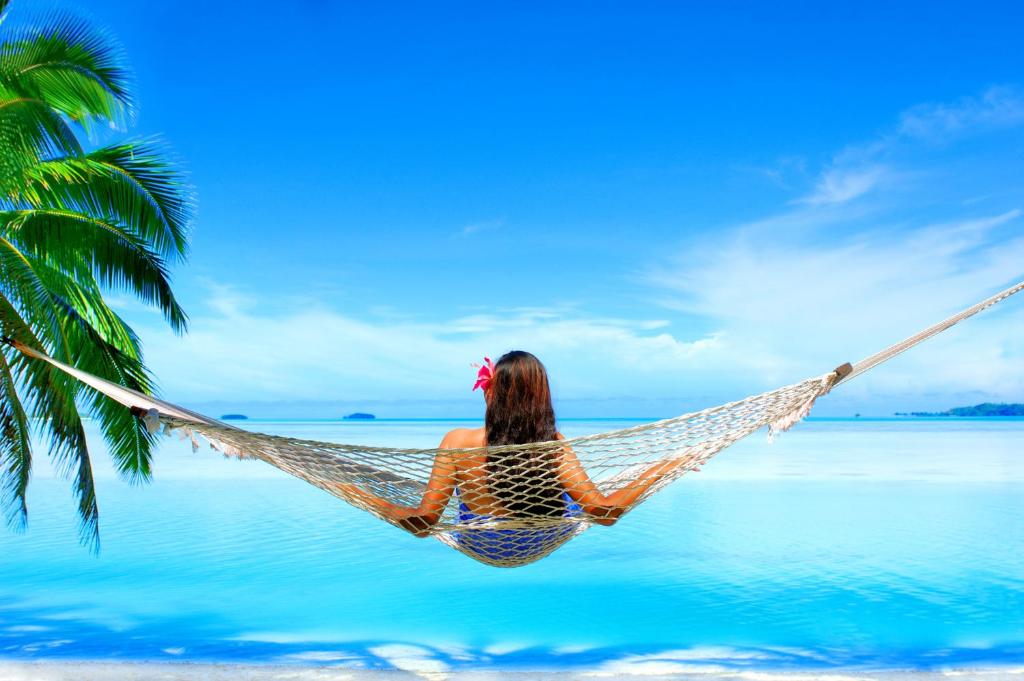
pixel 613 460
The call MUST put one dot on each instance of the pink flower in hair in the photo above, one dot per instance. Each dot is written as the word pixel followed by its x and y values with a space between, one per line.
pixel 485 375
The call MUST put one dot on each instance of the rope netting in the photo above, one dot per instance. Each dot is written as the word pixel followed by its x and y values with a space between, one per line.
pixel 549 491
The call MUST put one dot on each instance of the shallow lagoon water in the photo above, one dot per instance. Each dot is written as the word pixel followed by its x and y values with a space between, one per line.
pixel 854 544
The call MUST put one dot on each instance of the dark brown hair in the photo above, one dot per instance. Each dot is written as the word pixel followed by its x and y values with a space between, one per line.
pixel 519 411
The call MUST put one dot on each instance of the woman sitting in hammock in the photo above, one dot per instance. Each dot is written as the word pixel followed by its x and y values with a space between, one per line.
pixel 515 484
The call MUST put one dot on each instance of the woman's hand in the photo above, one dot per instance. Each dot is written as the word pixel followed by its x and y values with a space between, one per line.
pixel 406 518
pixel 415 525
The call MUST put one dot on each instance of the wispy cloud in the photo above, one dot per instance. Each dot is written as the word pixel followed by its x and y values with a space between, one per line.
pixel 997 107
pixel 794 308
pixel 839 185
pixel 832 278
pixel 482 226
pixel 783 173
pixel 864 167
pixel 235 348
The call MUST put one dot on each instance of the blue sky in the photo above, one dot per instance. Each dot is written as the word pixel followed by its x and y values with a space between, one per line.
pixel 671 204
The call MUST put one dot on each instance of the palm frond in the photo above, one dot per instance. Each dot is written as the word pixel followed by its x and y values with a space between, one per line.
pixel 65 62
pixel 15 449
pixel 30 317
pixel 131 181
pixel 144 165
pixel 29 130
pixel 51 400
pixel 50 396
pixel 118 258
pixel 130 443
pixel 54 405
pixel 85 297
pixel 86 333
pixel 89 335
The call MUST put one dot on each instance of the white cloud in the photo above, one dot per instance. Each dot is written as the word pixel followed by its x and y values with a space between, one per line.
pixel 322 656
pixel 414 659
pixel 505 648
pixel 236 350
pixel 839 185
pixel 997 107
pixel 482 226
pixel 717 660
pixel 799 307
pixel 853 266
pixel 860 169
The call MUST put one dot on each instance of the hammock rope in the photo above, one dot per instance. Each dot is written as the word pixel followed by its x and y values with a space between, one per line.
pixel 613 460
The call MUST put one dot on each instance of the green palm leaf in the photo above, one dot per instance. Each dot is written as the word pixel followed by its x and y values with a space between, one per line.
pixel 24 306
pixel 117 257
pixel 75 223
pixel 66 63
pixel 130 181
pixel 89 325
pixel 15 449
pixel 51 400
pixel 29 129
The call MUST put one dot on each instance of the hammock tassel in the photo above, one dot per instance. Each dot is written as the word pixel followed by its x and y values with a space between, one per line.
pixel 152 421
pixel 787 421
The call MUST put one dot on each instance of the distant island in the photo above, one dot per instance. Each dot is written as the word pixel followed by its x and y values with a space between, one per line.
pixel 234 417
pixel 986 409
pixel 359 415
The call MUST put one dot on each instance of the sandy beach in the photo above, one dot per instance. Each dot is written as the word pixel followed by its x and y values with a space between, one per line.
pixel 141 671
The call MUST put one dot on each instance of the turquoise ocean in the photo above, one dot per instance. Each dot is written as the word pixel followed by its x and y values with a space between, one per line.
pixel 858 544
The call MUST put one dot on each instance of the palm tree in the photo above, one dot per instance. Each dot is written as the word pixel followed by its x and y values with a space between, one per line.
pixel 75 224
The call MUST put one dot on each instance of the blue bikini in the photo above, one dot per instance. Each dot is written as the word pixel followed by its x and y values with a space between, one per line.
pixel 513 542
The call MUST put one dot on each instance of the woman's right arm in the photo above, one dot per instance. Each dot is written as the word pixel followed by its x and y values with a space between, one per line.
pixel 606 509
pixel 416 519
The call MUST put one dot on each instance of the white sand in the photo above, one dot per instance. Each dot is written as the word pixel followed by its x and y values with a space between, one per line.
pixel 132 671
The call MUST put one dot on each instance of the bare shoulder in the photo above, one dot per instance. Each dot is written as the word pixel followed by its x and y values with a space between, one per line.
pixel 464 438
pixel 566 456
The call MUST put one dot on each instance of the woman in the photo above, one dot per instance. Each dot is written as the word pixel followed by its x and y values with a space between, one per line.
pixel 518 483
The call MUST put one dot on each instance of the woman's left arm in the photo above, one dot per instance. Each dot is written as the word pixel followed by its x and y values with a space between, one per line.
pixel 416 519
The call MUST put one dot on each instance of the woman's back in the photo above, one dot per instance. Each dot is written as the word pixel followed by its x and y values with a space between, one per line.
pixel 475 473
pixel 471 484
